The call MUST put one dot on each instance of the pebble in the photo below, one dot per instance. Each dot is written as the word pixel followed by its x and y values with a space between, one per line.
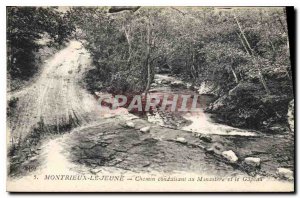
pixel 252 161
pixel 95 170
pixel 206 138
pixel 130 124
pixel 145 129
pixel 181 140
pixel 177 83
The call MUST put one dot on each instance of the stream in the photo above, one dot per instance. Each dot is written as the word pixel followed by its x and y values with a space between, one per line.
pixel 274 150
pixel 195 121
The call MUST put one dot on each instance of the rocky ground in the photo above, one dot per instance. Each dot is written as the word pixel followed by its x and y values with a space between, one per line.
pixel 124 146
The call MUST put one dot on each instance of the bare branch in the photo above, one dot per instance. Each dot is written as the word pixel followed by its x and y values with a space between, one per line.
pixel 115 9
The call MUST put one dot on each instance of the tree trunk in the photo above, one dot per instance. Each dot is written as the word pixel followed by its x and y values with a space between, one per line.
pixel 234 74
pixel 127 35
pixel 285 31
pixel 193 70
pixel 114 9
pixel 147 62
pixel 260 75
pixel 243 43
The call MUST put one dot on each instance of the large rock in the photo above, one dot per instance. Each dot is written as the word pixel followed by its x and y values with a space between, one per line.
pixel 252 161
pixel 290 115
pixel 248 106
pixel 230 156
pixel 285 173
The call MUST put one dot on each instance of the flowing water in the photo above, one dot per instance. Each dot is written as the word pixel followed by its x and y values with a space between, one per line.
pixel 200 122
pixel 275 150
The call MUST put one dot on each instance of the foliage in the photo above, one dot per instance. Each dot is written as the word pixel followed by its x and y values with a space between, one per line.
pixel 199 44
pixel 28 29
pixel 228 47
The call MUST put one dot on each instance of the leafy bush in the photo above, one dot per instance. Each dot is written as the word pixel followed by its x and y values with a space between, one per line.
pixel 27 28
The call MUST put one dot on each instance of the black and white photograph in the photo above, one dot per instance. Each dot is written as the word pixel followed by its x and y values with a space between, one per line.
pixel 150 99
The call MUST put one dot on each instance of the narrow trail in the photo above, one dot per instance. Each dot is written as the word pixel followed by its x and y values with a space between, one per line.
pixel 56 98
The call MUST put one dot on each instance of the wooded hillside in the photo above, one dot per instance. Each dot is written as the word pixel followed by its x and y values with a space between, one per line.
pixel 242 52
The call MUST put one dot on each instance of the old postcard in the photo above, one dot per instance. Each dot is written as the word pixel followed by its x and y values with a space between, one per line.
pixel 150 99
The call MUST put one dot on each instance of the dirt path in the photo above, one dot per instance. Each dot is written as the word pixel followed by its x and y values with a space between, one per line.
pixel 56 98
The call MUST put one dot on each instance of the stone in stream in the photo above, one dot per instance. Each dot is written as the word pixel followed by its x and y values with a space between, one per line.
pixel 163 81
pixel 177 84
pixel 252 161
pixel 130 124
pixel 181 140
pixel 145 129
pixel 285 173
pixel 189 85
pixel 196 134
pixel 230 156
pixel 157 81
